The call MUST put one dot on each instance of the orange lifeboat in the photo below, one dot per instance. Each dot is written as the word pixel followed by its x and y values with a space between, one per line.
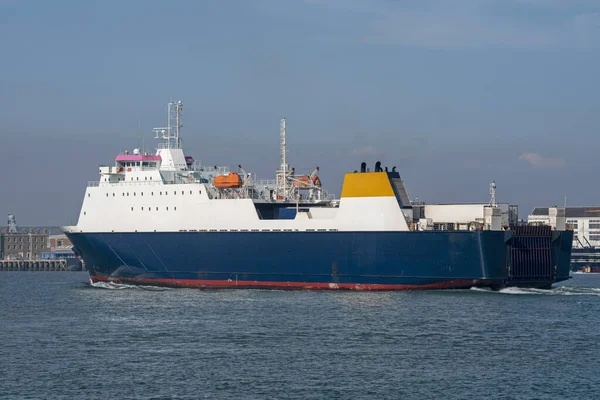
pixel 301 181
pixel 228 181
pixel 306 181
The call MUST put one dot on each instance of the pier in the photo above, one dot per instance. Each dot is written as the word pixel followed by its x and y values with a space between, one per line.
pixel 33 265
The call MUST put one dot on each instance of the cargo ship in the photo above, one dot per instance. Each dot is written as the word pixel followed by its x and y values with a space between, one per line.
pixel 165 219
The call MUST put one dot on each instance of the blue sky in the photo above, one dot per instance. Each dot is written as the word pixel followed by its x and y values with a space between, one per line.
pixel 454 93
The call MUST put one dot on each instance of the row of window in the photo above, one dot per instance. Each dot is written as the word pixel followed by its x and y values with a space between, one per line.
pixel 138 163
pixel 594 237
pixel 14 247
pixel 20 239
pixel 150 208
pixel 152 193
pixel 144 208
pixel 594 226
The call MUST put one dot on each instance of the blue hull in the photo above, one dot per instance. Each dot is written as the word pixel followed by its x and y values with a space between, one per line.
pixel 314 260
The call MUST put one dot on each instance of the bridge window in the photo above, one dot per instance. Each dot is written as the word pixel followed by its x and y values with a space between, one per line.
pixel 134 193
pixel 113 195
pixel 127 193
pixel 190 192
pixel 88 195
pixel 131 208
pixel 123 193
pixel 142 208
pixel 106 194
pixel 175 208
pixel 142 193
pixel 167 208
pixel 84 213
pixel 161 193
pixel 145 178
pixel 156 208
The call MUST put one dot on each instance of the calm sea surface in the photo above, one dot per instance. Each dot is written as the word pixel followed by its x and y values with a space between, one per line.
pixel 60 338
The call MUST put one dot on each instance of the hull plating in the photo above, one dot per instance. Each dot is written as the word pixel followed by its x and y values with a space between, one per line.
pixel 324 260
pixel 307 260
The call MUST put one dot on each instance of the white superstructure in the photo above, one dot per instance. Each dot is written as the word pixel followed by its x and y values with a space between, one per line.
pixel 168 192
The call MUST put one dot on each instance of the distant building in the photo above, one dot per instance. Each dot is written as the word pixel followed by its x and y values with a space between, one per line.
pixel 23 245
pixel 585 222
pixel 59 243
pixel 61 248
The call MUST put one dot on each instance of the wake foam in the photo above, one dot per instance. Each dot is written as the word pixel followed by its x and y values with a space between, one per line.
pixel 558 291
pixel 122 286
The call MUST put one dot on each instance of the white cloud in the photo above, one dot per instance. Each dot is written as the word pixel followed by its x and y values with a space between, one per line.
pixel 536 24
pixel 538 161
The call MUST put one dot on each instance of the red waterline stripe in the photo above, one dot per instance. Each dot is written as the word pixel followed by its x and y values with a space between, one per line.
pixel 227 284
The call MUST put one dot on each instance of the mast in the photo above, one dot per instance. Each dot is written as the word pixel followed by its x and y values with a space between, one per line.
pixel 493 194
pixel 284 166
pixel 172 132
